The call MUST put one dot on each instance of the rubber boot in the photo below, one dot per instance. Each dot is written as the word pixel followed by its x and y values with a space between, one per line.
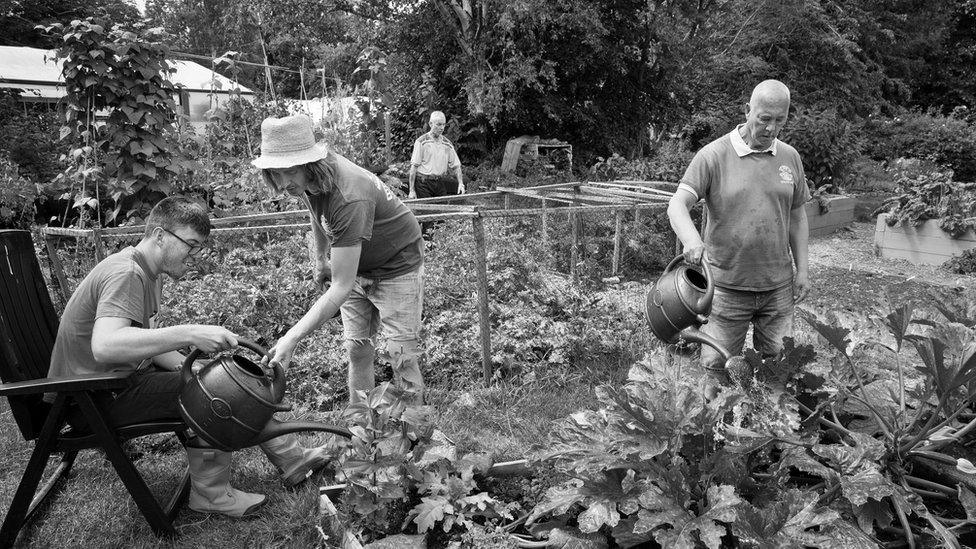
pixel 210 489
pixel 295 462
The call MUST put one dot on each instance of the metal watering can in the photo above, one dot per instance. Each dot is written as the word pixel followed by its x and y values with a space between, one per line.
pixel 231 402
pixel 679 303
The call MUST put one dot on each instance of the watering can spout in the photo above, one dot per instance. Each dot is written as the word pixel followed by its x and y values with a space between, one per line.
pixel 276 428
pixel 697 336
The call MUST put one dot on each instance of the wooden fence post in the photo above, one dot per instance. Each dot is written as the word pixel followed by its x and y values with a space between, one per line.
pixel 99 248
pixel 545 225
pixel 57 270
pixel 574 251
pixel 481 269
pixel 617 230
pixel 575 221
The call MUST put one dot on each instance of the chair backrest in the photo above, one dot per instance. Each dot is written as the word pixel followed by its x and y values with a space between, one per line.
pixel 28 326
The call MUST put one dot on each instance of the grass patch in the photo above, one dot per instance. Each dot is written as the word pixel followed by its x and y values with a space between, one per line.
pixel 93 509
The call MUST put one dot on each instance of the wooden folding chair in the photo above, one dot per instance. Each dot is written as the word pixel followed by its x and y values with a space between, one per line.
pixel 28 327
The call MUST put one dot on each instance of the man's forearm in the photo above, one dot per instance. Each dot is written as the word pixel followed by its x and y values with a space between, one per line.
pixel 133 344
pixel 684 228
pixel 799 240
pixel 412 177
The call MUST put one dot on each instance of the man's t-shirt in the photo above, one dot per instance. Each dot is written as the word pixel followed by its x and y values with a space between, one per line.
pixel 434 155
pixel 119 286
pixel 749 196
pixel 359 208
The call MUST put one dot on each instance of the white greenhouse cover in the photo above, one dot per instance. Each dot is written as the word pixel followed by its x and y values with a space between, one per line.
pixel 38 73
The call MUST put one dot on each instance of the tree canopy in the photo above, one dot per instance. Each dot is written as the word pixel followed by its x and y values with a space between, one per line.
pixel 609 75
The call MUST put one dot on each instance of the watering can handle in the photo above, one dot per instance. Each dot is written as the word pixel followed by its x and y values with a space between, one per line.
pixel 187 371
pixel 705 302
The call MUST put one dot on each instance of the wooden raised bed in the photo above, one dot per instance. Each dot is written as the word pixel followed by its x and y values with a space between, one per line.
pixel 926 243
pixel 839 214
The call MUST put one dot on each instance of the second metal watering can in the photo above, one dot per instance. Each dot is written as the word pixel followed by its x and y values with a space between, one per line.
pixel 679 303
pixel 231 402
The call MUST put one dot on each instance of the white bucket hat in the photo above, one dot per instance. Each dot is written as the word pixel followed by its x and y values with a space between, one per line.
pixel 287 142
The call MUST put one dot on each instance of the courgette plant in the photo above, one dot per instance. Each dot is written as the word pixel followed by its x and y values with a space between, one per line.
pixel 874 466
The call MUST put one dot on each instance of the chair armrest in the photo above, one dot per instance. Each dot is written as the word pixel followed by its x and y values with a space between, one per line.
pixel 88 382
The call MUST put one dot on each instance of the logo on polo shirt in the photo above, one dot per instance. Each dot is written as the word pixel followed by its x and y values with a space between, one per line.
pixel 786 175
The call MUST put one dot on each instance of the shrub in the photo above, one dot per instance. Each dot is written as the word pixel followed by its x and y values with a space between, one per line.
pixel 17 197
pixel 28 136
pixel 668 163
pixel 946 140
pixel 962 264
pixel 828 145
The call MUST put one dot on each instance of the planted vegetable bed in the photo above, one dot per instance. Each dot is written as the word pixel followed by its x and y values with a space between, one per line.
pixel 925 243
pixel 830 214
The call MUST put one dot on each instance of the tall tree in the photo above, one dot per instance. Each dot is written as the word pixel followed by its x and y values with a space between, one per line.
pixel 277 32
pixel 18 18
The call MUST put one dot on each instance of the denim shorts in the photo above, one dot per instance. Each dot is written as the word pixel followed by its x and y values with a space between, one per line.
pixel 393 306
pixel 769 312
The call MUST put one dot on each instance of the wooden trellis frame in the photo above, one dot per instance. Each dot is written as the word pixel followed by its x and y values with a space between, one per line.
pixel 572 199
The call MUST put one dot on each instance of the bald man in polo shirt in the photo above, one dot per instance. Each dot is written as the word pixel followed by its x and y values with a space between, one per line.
pixel 435 169
pixel 754 189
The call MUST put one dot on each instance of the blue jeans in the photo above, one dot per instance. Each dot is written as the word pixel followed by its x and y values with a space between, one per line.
pixel 770 313
pixel 393 306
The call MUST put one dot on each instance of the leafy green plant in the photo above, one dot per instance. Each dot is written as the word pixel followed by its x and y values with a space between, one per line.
pixel 661 461
pixel 947 140
pixel 219 169
pixel 927 193
pixel 17 197
pixel 450 497
pixel 908 424
pixel 827 142
pixel 133 155
pixel 381 466
pixel 964 263
pixel 399 470
pixel 28 137
pixel 667 163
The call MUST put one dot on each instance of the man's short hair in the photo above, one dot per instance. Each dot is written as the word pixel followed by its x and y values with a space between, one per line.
pixel 174 212
pixel 437 115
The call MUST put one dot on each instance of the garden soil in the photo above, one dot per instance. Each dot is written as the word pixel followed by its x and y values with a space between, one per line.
pixel 846 274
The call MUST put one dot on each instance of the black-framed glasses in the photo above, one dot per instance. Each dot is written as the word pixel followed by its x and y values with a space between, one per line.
pixel 194 248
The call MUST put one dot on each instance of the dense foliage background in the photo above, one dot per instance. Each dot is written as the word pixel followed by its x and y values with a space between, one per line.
pixel 648 82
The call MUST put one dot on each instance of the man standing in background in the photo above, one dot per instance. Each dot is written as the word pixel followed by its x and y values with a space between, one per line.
pixel 435 169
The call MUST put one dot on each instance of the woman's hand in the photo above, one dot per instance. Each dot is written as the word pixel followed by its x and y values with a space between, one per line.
pixel 323 272
pixel 281 353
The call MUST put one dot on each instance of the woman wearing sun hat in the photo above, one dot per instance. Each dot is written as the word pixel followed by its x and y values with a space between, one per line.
pixel 366 241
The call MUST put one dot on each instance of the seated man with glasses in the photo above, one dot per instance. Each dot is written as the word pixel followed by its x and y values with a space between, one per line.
pixel 108 325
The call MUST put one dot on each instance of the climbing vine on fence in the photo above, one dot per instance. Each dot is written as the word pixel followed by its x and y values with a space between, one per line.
pixel 121 75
